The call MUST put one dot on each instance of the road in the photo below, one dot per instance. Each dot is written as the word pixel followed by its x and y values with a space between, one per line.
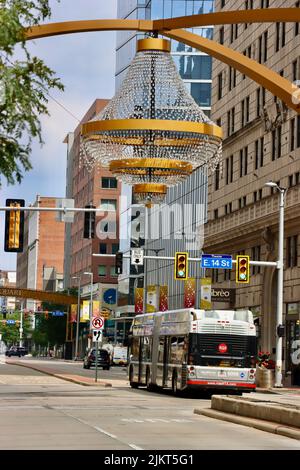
pixel 38 411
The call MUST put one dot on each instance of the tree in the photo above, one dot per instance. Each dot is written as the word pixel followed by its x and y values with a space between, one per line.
pixel 24 86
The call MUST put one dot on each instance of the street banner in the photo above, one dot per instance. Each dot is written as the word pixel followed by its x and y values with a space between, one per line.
pixel 205 302
pixel 163 298
pixel 138 299
pixel 85 310
pixel 190 293
pixel 73 313
pixel 152 299
pixel 96 308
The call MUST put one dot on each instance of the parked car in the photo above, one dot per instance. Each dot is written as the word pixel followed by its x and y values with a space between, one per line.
pixel 120 355
pixel 103 359
pixel 16 351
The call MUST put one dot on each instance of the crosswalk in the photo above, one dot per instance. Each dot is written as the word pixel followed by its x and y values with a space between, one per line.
pixel 155 420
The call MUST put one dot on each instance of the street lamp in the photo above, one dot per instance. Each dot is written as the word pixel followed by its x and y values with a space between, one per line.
pixel 279 315
pixel 78 316
pixel 91 296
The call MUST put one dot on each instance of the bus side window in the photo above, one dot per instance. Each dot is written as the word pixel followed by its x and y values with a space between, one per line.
pixel 173 350
pixel 161 349
pixel 135 348
pixel 146 350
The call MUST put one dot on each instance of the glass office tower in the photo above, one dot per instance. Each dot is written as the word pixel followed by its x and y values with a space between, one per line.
pixel 195 69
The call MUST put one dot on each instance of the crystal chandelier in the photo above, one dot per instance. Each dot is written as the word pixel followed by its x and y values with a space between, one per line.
pixel 152 134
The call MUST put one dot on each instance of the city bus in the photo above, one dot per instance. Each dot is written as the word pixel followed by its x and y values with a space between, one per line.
pixel 190 348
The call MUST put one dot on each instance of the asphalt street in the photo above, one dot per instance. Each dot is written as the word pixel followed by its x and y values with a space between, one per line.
pixel 38 411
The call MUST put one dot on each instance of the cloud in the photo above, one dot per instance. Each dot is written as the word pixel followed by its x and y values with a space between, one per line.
pixel 86 65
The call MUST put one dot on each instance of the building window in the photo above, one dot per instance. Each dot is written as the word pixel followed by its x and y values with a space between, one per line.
pixel 298 131
pixel 102 270
pixel 108 204
pixel 255 256
pixel 259 153
pixel 292 134
pixel 229 169
pixel 216 214
pixel 114 248
pixel 221 35
pixel 113 271
pixel 291 180
pixel 220 85
pixel 243 161
pixel 103 248
pixel 230 121
pixel 292 251
pixel 297 178
pixel 227 274
pixel 276 143
pixel 263 47
pixel 242 202
pixel 222 3
pixel 232 78
pixel 217 177
pixel 109 183
pixel 228 208
pixel 297 5
pixel 264 3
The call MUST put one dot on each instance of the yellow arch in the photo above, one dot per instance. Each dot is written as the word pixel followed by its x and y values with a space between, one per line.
pixel 265 77
pixel 272 81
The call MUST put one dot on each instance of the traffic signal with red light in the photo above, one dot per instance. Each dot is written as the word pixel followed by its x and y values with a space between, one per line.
pixel 89 222
pixel 119 262
pixel 46 314
pixel 242 269
pixel 14 226
pixel 181 266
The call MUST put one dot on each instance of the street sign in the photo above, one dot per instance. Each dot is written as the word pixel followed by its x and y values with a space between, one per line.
pixel 10 322
pixel 98 323
pixel 216 261
pixel 57 313
pixel 137 256
pixel 97 336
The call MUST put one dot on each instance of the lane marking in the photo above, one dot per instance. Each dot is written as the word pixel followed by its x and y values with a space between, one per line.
pixel 133 446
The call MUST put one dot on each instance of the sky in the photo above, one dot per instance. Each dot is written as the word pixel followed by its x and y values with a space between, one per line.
pixel 85 64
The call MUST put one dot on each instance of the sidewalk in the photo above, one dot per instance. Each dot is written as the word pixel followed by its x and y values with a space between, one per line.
pixel 275 410
pixel 77 379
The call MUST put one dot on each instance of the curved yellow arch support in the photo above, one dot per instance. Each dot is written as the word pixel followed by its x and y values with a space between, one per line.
pixel 265 15
pixel 277 85
pixel 70 27
pixel 265 77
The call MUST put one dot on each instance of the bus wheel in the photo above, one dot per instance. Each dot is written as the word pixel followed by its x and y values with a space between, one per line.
pixel 132 384
pixel 174 384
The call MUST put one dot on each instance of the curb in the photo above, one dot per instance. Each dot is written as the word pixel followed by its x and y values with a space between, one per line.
pixel 62 377
pixel 266 426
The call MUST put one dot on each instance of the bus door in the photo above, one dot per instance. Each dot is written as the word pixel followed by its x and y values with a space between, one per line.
pixel 162 361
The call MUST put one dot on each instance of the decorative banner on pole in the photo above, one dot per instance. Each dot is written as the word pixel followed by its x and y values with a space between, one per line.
pixel 163 298
pixel 138 299
pixel 190 292
pixel 96 308
pixel 85 311
pixel 152 299
pixel 73 313
pixel 205 302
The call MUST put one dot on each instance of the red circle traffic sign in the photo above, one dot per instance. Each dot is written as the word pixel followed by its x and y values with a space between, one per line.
pixel 222 348
pixel 98 323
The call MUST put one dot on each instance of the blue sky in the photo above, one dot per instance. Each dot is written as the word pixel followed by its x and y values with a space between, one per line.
pixel 86 64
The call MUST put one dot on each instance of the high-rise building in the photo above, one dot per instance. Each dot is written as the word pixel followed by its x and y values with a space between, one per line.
pixel 195 70
pixel 7 279
pixel 40 265
pixel 261 143
pixel 99 188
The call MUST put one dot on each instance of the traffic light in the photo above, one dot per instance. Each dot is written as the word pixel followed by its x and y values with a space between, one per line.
pixel 46 314
pixel 119 262
pixel 242 269
pixel 14 227
pixel 181 266
pixel 89 222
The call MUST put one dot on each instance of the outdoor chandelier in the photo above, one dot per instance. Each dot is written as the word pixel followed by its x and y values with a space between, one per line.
pixel 152 134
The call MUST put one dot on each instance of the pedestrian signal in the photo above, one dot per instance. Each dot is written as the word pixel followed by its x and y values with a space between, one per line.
pixel 119 262
pixel 181 266
pixel 242 269
pixel 89 222
pixel 14 226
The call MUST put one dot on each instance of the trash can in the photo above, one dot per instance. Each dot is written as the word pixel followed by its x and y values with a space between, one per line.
pixel 265 378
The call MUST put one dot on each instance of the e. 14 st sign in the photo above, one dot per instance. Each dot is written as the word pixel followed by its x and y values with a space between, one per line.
pixel 216 261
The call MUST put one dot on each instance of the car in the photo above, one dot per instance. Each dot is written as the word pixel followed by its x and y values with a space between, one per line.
pixel 103 359
pixel 16 351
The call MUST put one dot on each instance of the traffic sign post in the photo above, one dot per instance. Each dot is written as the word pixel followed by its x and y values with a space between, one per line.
pixel 216 261
pixel 98 324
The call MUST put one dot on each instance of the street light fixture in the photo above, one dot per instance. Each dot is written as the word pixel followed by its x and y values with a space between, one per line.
pixel 279 312
pixel 78 316
pixel 91 296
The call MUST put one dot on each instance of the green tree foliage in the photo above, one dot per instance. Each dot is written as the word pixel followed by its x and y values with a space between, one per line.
pixel 11 333
pixel 24 86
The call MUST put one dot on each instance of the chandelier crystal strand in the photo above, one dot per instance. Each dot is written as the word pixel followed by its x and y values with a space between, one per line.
pixel 153 124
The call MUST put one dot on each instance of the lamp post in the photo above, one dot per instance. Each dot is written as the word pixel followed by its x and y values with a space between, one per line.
pixel 279 310
pixel 91 299
pixel 78 316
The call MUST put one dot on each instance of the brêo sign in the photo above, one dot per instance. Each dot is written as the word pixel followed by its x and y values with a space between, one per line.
pixel 223 295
